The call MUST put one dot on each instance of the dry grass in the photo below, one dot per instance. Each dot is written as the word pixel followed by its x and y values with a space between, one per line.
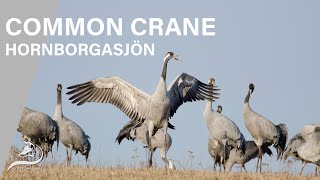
pixel 80 172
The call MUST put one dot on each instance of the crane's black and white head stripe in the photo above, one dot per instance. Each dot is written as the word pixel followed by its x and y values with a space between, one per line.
pixel 251 88
pixel 219 109
pixel 59 87
pixel 170 55
pixel 212 81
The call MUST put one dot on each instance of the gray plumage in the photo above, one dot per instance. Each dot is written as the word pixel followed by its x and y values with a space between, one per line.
pixel 263 130
pixel 216 151
pixel 222 128
pixel 309 129
pixel 138 105
pixel 157 142
pixel 39 129
pixel 71 134
pixel 252 151
pixel 309 151
pixel 292 147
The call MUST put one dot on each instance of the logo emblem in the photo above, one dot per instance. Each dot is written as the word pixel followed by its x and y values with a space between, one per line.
pixel 28 151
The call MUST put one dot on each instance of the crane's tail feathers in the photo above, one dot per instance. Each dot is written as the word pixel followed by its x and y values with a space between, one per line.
pixel 317 129
pixel 125 131
pixel 243 144
pixel 283 131
pixel 266 149
pixel 171 126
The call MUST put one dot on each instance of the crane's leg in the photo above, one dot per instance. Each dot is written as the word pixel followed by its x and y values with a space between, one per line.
pixel 259 159
pixel 224 142
pixel 221 163
pixel 71 148
pixel 150 129
pixel 257 164
pixel 303 165
pixel 67 155
pixel 163 155
pixel 165 128
pixel 260 154
pixel 150 157
pixel 214 164
pixel 244 167
pixel 87 156
pixel 259 143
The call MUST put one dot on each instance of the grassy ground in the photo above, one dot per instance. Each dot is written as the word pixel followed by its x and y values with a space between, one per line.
pixel 78 172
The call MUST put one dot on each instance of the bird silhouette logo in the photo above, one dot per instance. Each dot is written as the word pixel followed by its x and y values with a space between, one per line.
pixel 28 151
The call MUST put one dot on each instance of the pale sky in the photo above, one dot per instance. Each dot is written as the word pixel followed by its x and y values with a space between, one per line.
pixel 273 44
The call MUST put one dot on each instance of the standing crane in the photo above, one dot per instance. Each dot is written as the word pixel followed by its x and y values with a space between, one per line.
pixel 263 130
pixel 216 151
pixel 39 129
pixel 157 142
pixel 71 134
pixel 222 128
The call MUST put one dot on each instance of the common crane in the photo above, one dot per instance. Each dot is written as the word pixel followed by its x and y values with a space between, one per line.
pixel 39 129
pixel 157 141
pixel 309 151
pixel 252 151
pixel 155 109
pixel 71 134
pixel 263 130
pixel 222 128
pixel 216 151
pixel 292 150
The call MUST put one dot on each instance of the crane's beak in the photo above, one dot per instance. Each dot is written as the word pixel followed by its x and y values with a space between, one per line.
pixel 175 57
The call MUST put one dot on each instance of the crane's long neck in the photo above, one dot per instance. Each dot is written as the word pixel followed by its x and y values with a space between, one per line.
pixel 162 87
pixel 246 105
pixel 246 100
pixel 208 106
pixel 58 112
pixel 207 111
pixel 164 69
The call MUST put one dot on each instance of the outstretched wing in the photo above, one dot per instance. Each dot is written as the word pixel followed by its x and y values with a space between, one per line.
pixel 187 88
pixel 114 90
